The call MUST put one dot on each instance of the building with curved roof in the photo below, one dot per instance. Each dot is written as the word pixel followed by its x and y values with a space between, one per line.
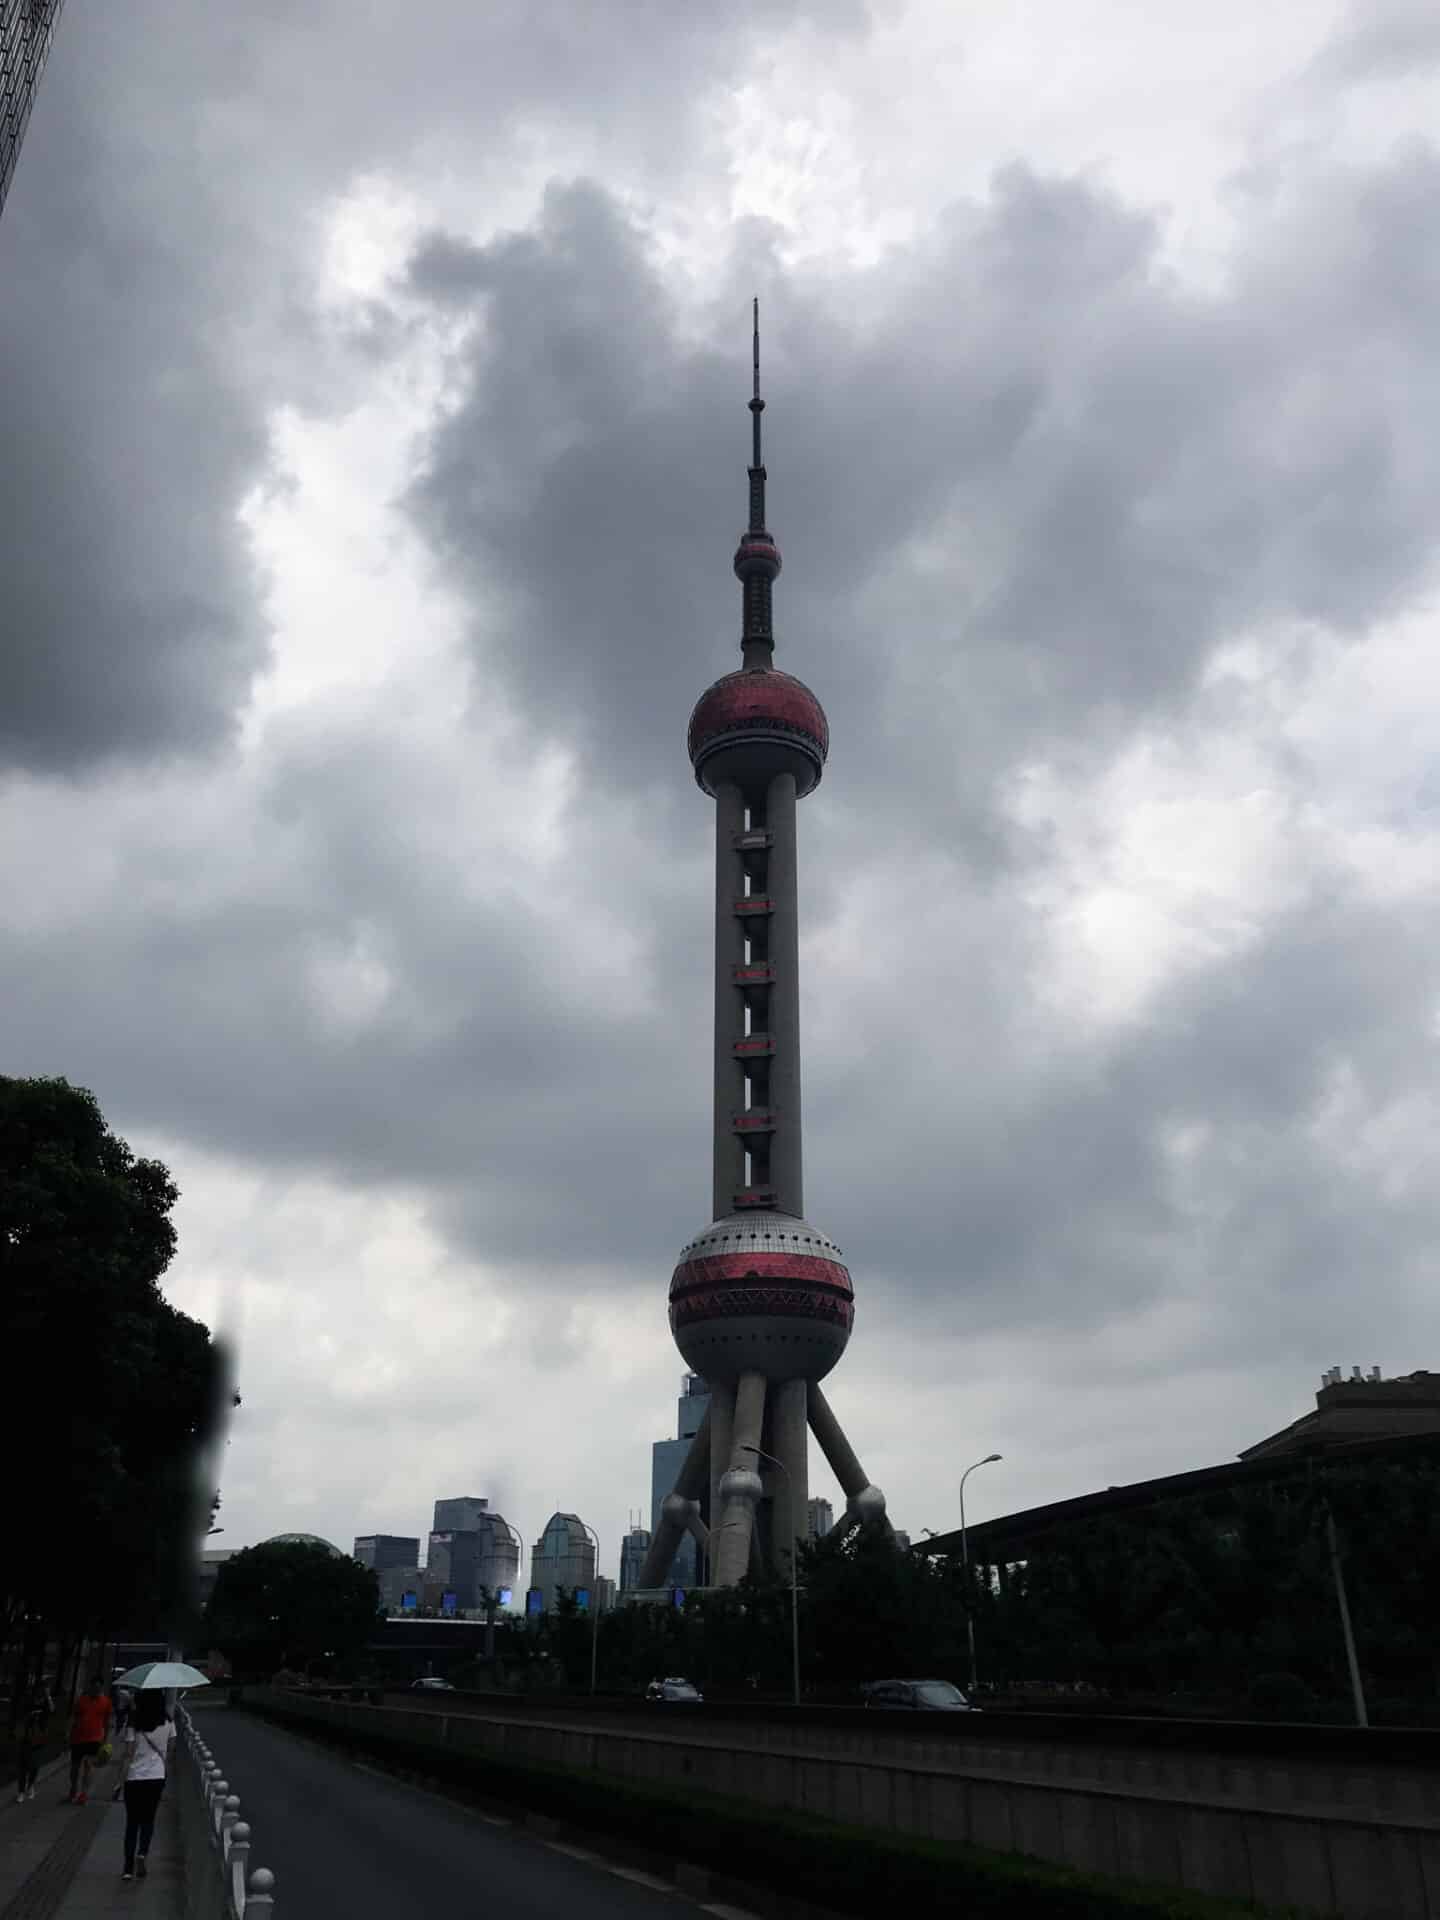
pixel 563 1556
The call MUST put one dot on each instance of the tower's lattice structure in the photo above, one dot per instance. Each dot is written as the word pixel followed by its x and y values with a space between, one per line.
pixel 761 1302
pixel 26 29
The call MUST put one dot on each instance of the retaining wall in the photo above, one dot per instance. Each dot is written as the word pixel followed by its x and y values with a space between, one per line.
pixel 1255 1828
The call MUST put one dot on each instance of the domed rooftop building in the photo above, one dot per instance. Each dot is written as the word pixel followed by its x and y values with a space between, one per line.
pixel 300 1540
pixel 563 1556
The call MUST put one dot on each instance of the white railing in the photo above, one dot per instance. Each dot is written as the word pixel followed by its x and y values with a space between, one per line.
pixel 227 1838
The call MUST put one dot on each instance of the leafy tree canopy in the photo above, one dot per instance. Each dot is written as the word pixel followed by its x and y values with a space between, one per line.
pixel 111 1505
pixel 288 1603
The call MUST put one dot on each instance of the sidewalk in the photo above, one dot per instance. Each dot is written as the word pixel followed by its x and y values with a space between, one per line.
pixel 59 1862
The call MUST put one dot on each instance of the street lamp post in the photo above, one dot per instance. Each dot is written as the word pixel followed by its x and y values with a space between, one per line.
pixel 761 1454
pixel 594 1605
pixel 965 1563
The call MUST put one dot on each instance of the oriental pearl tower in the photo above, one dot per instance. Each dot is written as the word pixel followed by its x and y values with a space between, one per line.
pixel 760 1302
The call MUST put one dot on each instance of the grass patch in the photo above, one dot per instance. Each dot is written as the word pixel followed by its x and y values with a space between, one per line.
pixel 847 1869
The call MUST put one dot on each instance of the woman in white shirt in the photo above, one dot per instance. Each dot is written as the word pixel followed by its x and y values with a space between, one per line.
pixel 147 1759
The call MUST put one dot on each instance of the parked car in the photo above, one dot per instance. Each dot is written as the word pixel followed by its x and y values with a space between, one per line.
pixel 917 1696
pixel 432 1683
pixel 675 1688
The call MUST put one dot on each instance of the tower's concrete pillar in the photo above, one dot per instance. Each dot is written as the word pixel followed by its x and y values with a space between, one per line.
pixel 833 1444
pixel 680 1511
pixel 790 1437
pixel 787 1175
pixel 722 1444
pixel 729 1173
pixel 740 1488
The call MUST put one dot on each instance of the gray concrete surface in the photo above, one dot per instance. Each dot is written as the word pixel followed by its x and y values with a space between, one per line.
pixel 341 1839
pixel 59 1862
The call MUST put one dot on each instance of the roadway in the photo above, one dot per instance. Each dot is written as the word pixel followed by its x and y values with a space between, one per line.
pixel 341 1838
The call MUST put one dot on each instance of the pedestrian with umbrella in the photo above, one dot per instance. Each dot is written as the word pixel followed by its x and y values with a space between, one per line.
pixel 145 1760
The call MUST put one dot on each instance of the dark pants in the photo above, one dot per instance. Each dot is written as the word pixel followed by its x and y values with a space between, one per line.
pixel 29 1766
pixel 142 1797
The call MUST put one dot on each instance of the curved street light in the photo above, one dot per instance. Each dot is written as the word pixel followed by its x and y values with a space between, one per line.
pixel 794 1570
pixel 965 1563
pixel 594 1604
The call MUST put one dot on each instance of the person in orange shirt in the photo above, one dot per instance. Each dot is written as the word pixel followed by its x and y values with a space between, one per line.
pixel 88 1726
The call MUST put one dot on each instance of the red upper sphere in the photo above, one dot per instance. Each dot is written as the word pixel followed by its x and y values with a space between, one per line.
pixel 762 715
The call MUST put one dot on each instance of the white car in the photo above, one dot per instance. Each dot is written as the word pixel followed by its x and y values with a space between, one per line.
pixel 675 1688
pixel 432 1683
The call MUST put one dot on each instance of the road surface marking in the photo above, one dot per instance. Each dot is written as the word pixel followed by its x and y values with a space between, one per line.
pixel 575 1853
pixel 643 1879
pixel 727 1913
pixel 495 1820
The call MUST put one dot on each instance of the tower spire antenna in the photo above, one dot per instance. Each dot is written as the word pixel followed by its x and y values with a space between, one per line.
pixel 757 559
pixel 757 407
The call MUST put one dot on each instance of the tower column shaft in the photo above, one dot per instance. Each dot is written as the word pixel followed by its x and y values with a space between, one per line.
pixel 729 1161
pixel 730 1538
pixel 722 1445
pixel 790 1439
pixel 787 1173
pixel 689 1484
pixel 837 1449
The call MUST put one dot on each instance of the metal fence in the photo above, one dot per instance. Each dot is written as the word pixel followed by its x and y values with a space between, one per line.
pixel 217 1840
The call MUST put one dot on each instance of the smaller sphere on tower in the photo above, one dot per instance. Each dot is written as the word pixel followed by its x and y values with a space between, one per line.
pixel 757 553
pixel 740 1483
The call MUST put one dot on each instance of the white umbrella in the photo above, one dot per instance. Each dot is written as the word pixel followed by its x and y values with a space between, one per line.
pixel 161 1673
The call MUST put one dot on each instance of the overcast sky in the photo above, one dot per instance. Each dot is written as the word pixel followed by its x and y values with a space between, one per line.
pixel 372 391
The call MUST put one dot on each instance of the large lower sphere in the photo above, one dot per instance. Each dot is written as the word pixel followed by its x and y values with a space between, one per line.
pixel 761 1293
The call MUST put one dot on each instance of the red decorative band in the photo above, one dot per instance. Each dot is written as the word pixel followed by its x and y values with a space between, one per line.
pixel 763 1303
pixel 724 1269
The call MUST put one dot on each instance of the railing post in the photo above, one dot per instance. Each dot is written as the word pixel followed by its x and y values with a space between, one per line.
pixel 217 1806
pixel 237 1869
pixel 229 1814
pixel 262 1892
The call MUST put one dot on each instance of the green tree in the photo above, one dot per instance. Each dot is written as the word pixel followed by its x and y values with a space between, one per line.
pixel 112 1499
pixel 290 1604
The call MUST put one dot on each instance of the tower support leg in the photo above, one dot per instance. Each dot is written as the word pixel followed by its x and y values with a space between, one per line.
pixel 680 1510
pixel 790 1440
pixel 722 1444
pixel 864 1503
pixel 740 1488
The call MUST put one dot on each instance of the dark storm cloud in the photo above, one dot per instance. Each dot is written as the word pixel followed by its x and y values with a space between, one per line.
pixel 1112 472
pixel 154 261
pixel 129 624
pixel 1026 483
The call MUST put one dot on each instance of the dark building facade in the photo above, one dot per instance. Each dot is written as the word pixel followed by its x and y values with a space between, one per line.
pixel 381 1551
pixel 26 29
pixel 1364 1407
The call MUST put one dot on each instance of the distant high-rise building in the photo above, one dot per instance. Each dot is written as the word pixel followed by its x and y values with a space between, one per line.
pixel 26 27
pixel 563 1556
pixel 633 1549
pixel 472 1549
pixel 380 1551
pixel 666 1459
pixel 461 1515
pixel 819 1518
pixel 395 1583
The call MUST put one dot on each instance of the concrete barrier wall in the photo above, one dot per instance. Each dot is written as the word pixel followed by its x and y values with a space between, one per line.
pixel 1167 1819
